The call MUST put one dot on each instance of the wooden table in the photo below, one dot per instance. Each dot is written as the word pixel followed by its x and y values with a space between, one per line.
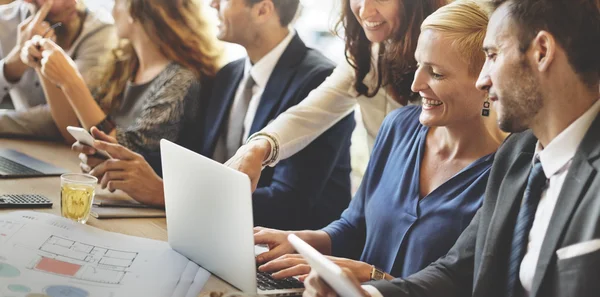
pixel 61 155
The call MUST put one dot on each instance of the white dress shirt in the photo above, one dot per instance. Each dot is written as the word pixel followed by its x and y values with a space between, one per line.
pixel 260 72
pixel 556 160
pixel 334 99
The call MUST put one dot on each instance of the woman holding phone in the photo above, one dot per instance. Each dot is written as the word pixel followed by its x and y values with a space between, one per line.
pixel 151 85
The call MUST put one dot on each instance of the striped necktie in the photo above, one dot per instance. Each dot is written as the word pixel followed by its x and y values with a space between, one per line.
pixel 531 198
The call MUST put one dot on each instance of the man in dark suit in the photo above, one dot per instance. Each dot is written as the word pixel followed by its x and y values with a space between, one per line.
pixel 538 232
pixel 312 189
pixel 307 191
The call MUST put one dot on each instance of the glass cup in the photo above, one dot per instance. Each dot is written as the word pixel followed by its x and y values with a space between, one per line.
pixel 77 195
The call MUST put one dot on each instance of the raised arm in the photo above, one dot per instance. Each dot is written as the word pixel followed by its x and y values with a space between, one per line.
pixel 300 125
pixel 89 52
pixel 11 66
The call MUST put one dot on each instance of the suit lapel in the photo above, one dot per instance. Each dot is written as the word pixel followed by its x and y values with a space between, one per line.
pixel 573 190
pixel 504 217
pixel 221 100
pixel 278 83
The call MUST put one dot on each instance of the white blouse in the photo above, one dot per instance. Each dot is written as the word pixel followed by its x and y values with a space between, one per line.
pixel 334 99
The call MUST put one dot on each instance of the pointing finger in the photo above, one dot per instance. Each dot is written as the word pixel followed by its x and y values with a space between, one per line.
pixel 41 15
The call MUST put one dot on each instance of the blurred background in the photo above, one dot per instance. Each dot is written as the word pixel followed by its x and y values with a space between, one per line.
pixel 315 25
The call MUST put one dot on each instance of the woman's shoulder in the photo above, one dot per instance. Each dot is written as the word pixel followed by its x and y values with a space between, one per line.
pixel 177 74
pixel 407 116
pixel 175 82
pixel 400 125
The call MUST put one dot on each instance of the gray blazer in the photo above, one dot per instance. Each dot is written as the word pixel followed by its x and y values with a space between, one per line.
pixel 476 265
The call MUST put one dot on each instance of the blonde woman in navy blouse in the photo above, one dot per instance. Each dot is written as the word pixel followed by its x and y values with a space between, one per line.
pixel 429 167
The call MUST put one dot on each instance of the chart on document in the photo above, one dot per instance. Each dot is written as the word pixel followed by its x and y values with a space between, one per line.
pixel 47 256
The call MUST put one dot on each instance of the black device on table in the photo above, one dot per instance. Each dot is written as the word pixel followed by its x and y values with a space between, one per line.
pixel 14 164
pixel 24 201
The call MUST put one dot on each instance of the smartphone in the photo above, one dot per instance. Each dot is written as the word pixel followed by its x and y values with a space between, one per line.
pixel 330 272
pixel 86 138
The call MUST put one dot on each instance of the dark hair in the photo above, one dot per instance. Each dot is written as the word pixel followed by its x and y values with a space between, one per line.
pixel 396 61
pixel 574 23
pixel 286 9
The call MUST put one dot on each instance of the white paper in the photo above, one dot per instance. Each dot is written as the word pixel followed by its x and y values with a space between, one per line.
pixel 50 255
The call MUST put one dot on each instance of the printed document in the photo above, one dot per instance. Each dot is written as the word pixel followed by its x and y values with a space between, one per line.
pixel 47 255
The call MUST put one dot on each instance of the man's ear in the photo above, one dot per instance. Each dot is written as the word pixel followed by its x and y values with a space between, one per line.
pixel 544 50
pixel 264 10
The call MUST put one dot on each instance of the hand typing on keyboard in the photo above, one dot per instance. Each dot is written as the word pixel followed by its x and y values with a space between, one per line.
pixel 295 265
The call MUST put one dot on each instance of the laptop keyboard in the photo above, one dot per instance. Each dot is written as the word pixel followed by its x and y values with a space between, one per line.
pixel 265 281
pixel 13 168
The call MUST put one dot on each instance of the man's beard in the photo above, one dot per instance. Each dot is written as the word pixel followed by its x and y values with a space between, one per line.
pixel 520 104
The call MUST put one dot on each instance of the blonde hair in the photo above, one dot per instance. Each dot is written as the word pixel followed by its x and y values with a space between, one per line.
pixel 183 34
pixel 465 23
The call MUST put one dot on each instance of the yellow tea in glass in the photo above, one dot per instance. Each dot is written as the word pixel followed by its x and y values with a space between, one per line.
pixel 77 195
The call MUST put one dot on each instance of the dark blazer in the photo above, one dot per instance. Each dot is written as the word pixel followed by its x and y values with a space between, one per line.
pixel 477 264
pixel 312 188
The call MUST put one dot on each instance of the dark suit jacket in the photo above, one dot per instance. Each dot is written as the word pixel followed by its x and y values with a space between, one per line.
pixel 477 264
pixel 310 189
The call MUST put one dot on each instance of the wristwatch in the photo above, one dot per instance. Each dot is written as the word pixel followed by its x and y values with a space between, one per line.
pixel 377 274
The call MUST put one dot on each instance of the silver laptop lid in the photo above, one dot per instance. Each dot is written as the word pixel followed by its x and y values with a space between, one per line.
pixel 209 215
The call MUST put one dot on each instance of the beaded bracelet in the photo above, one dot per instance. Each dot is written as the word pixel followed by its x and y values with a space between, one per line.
pixel 273 141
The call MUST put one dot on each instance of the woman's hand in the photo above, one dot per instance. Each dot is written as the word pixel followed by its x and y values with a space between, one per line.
pixel 277 242
pixel 316 287
pixel 35 25
pixel 249 158
pixel 295 265
pixel 88 154
pixel 31 53
pixel 129 172
pixel 56 65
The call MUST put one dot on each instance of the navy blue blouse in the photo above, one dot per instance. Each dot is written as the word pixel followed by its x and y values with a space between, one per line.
pixel 387 224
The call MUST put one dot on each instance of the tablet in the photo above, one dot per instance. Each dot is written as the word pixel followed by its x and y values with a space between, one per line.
pixel 327 270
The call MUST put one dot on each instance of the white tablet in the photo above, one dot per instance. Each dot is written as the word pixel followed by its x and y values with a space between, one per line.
pixel 327 270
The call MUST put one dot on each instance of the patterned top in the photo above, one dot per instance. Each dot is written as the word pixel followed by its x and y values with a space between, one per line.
pixel 170 101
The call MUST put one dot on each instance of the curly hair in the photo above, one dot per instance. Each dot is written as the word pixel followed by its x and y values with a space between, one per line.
pixel 396 63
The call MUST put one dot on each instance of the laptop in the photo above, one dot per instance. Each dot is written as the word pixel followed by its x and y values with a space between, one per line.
pixel 209 220
pixel 14 164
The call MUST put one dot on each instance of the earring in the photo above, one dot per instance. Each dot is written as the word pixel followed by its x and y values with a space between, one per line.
pixel 485 111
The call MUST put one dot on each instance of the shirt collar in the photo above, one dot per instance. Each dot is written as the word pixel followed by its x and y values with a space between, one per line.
pixel 563 147
pixel 261 71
